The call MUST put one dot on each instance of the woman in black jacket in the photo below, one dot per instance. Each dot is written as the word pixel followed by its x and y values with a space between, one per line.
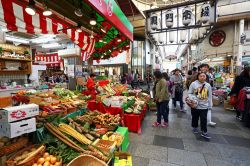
pixel 241 81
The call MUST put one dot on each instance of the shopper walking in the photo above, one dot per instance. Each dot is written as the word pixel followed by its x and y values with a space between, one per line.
pixel 148 79
pixel 189 79
pixel 205 68
pixel 131 79
pixel 177 92
pixel 241 81
pixel 201 93
pixel 162 100
pixel 136 79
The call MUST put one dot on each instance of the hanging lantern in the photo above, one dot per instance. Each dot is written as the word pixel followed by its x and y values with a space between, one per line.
pixel 202 31
pixel 169 18
pixel 205 12
pixel 171 37
pixel 186 16
pixel 195 34
pixel 161 37
pixel 155 36
pixel 183 34
pixel 153 21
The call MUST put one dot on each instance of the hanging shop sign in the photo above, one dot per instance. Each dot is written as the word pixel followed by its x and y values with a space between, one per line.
pixel 217 38
pixel 14 18
pixel 112 12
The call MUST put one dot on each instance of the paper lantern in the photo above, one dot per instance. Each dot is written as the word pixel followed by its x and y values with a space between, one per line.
pixel 169 18
pixel 153 21
pixel 183 34
pixel 195 34
pixel 155 36
pixel 171 37
pixel 186 16
pixel 205 12
pixel 161 37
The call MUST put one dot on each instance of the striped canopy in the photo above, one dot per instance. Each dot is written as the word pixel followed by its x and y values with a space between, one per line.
pixel 14 18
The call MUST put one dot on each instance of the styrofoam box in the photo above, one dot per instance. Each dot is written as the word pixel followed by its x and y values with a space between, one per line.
pixel 15 129
pixel 11 114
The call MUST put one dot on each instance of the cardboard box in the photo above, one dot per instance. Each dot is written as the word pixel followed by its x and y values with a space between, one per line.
pixel 122 159
pixel 18 128
pixel 11 114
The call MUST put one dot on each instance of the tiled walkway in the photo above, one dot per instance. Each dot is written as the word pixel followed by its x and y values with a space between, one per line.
pixel 177 145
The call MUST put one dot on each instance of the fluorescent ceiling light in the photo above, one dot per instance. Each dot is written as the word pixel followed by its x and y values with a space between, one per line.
pixel 30 9
pixel 43 39
pixel 51 45
pixel 218 59
pixel 78 12
pixel 92 22
pixel 17 40
pixel 104 30
pixel 47 12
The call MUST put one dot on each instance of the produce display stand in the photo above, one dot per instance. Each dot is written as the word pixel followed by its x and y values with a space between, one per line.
pixel 133 121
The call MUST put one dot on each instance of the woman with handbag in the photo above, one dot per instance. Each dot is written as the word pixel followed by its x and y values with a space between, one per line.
pixel 241 81
pixel 200 101
pixel 177 90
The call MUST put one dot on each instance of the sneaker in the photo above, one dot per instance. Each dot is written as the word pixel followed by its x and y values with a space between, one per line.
pixel 239 118
pixel 196 131
pixel 205 135
pixel 211 124
pixel 164 124
pixel 156 124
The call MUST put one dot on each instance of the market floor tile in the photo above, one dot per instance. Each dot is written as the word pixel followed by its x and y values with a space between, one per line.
pixel 177 145
pixel 237 141
pixel 169 142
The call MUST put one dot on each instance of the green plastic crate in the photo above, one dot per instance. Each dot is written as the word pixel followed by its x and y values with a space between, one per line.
pixel 125 143
pixel 73 114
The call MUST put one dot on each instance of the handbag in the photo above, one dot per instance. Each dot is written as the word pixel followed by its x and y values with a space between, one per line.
pixel 191 103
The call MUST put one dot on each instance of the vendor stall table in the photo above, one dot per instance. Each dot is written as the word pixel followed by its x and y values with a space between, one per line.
pixel 132 121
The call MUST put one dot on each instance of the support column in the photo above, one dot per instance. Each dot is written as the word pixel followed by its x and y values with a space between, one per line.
pixel 240 47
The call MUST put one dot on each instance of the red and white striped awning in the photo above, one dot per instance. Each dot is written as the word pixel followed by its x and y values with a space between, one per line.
pixel 14 18
pixel 49 59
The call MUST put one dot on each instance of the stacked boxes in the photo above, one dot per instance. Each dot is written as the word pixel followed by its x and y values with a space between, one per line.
pixel 18 120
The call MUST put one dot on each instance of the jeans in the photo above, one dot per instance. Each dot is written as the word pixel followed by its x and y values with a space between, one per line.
pixel 178 97
pixel 202 114
pixel 162 110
